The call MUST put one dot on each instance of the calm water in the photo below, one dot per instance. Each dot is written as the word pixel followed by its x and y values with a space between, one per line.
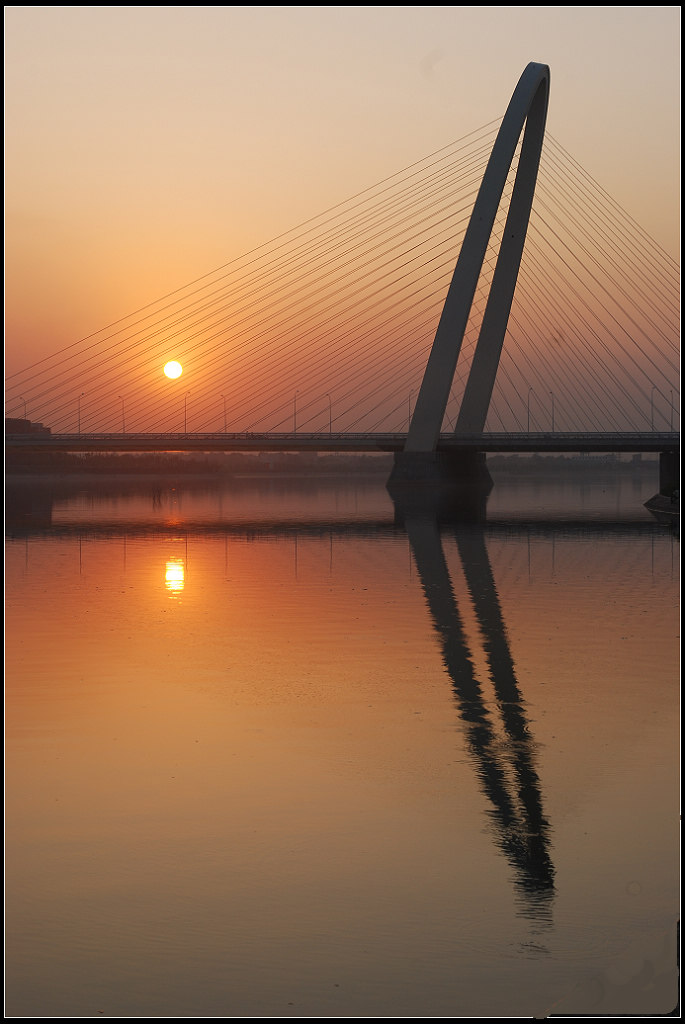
pixel 273 752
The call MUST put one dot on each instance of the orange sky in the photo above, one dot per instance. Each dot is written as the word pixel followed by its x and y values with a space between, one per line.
pixel 145 149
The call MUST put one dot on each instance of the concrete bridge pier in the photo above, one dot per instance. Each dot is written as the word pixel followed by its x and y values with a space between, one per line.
pixel 669 473
pixel 447 485
pixel 665 504
pixel 449 470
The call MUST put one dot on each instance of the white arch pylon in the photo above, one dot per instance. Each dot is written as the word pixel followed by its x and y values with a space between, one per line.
pixel 528 105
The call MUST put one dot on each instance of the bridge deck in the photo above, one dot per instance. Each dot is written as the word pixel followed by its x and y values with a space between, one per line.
pixel 650 441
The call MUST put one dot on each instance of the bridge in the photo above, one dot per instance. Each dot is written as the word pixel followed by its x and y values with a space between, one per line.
pixel 559 326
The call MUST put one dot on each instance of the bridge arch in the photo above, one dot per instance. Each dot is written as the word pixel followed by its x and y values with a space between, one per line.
pixel 528 106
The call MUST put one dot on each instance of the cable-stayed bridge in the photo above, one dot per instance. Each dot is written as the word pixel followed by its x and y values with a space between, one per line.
pixel 327 336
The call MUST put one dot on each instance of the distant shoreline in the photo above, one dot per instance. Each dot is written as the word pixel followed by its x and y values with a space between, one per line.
pixel 507 466
pixel 31 476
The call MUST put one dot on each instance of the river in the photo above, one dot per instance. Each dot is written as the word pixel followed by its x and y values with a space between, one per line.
pixel 274 749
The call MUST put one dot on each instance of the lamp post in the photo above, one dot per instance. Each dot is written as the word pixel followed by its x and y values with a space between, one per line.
pixel 224 398
pixel 330 414
pixel 651 404
pixel 530 391
pixel 295 412
pixel 409 410
pixel 78 405
pixel 123 416
pixel 670 418
pixel 185 412
pixel 552 397
pixel 24 401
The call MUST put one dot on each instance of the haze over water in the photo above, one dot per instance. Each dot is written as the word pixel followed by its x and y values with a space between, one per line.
pixel 274 750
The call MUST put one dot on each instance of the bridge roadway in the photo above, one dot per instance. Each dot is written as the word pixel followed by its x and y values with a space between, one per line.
pixel 648 441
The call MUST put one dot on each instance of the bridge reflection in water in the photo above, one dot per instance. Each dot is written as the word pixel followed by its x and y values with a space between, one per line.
pixel 504 756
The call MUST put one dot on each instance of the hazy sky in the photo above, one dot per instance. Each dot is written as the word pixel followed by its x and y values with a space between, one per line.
pixel 146 146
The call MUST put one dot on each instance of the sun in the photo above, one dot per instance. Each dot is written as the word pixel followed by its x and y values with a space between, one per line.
pixel 173 369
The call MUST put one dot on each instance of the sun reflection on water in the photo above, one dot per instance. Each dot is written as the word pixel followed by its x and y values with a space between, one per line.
pixel 174 576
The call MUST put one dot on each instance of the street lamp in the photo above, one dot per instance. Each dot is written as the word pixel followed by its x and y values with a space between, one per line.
pixel 185 412
pixel 409 410
pixel 24 401
pixel 78 402
pixel 330 414
pixel 651 402
pixel 670 419
pixel 530 391
pixel 552 396
pixel 295 412
pixel 224 398
pixel 123 416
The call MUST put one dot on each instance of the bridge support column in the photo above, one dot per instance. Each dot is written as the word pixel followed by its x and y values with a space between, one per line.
pixel 454 470
pixel 669 473
pixel 665 505
pixel 446 484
